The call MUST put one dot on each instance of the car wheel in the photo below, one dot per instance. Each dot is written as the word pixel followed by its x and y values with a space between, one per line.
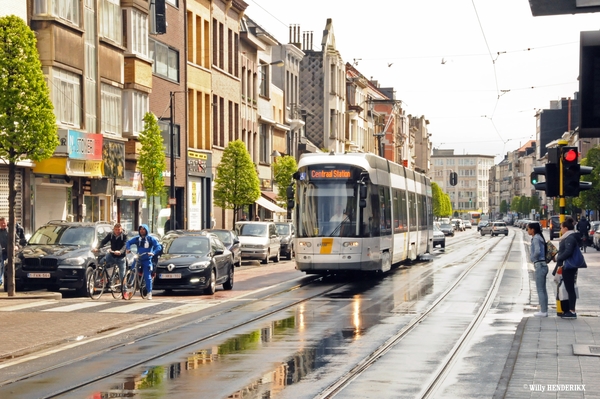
pixel 266 259
pixel 443 245
pixel 83 290
pixel 482 233
pixel 227 285
pixel 277 257
pixel 212 284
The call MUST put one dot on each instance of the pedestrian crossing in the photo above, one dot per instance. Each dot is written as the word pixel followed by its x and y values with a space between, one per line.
pixel 156 307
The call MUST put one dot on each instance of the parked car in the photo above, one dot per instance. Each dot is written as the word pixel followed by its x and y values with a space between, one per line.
pixel 593 227
pixel 596 238
pixel 494 229
pixel 287 233
pixel 468 224
pixel 259 241
pixel 554 227
pixel 481 224
pixel 194 260
pixel 447 229
pixel 231 241
pixel 439 238
pixel 59 255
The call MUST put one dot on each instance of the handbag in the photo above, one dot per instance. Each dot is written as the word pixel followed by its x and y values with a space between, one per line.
pixel 551 251
pixel 575 261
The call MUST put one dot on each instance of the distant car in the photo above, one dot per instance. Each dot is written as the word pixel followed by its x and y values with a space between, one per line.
pixel 259 241
pixel 287 234
pixel 481 224
pixel 458 224
pixel 193 260
pixel 447 229
pixel 468 224
pixel 439 238
pixel 231 241
pixel 494 229
pixel 596 238
pixel 59 255
pixel 593 227
pixel 554 227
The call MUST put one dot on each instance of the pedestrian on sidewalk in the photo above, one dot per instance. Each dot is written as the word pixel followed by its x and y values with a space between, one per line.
pixel 537 255
pixel 567 244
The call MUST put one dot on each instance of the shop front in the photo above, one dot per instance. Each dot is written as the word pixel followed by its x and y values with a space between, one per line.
pixel 199 190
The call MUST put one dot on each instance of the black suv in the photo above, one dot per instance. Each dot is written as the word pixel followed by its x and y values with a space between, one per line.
pixel 554 227
pixel 285 230
pixel 58 255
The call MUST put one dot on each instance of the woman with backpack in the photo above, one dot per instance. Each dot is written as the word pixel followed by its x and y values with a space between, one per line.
pixel 537 255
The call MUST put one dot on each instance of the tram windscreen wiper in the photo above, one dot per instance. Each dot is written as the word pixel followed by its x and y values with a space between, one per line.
pixel 335 232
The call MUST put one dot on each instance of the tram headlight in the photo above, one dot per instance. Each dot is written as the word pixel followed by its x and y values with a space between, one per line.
pixel 350 244
pixel 304 244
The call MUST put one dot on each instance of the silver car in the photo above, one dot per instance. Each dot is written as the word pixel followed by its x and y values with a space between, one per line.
pixel 259 241
pixel 494 229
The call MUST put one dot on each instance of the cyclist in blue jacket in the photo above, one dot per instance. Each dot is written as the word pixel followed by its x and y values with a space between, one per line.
pixel 146 244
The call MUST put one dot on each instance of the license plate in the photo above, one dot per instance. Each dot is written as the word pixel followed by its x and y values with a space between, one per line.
pixel 169 275
pixel 38 275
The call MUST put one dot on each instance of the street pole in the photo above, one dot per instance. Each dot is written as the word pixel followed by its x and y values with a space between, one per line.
pixel 562 202
pixel 172 200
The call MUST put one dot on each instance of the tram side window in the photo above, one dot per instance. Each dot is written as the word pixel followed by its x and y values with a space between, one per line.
pixel 403 214
pixel 372 214
pixel 412 211
pixel 386 214
pixel 422 212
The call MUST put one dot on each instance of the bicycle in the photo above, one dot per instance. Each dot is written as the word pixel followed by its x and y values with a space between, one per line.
pixel 101 279
pixel 134 279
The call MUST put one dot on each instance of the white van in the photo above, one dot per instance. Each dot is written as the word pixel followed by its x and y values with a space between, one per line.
pixel 161 219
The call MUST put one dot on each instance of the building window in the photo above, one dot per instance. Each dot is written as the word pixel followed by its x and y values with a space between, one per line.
pixel 166 135
pixel 110 101
pixel 65 9
pixel 110 20
pixel 263 79
pixel 166 60
pixel 262 142
pixel 66 97
pixel 135 106
pixel 174 3
pixel 136 31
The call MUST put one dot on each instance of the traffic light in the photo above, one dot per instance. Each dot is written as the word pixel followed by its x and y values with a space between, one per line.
pixel 550 186
pixel 572 171
pixel 453 178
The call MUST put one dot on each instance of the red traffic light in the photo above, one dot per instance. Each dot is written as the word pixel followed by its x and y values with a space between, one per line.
pixel 570 155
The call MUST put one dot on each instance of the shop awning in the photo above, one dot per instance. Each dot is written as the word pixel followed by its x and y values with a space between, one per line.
pixel 265 203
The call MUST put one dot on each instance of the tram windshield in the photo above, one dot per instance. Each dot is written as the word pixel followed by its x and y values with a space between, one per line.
pixel 328 209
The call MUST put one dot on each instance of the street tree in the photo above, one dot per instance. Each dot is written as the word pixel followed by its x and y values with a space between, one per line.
pixel 152 161
pixel 27 119
pixel 283 169
pixel 236 183
pixel 437 198
pixel 504 207
pixel 446 206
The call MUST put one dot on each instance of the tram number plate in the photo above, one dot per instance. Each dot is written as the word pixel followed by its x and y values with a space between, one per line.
pixel 38 275
pixel 169 275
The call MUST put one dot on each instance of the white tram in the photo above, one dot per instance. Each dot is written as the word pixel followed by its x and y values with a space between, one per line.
pixel 359 212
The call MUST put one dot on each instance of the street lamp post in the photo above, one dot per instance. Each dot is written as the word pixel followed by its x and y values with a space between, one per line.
pixel 172 195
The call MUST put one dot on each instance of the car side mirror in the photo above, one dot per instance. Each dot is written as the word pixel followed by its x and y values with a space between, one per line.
pixel 218 251
pixel 236 241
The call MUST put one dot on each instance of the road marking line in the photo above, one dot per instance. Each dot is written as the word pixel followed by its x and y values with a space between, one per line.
pixel 189 308
pixel 27 305
pixel 76 306
pixel 132 307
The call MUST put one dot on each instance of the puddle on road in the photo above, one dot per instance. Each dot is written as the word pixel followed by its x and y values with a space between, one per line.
pixel 228 361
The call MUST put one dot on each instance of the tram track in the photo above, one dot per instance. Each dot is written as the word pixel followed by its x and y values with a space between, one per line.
pixel 337 387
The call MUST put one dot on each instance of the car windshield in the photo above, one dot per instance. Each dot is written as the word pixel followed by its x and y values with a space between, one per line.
pixel 193 245
pixel 253 230
pixel 63 235
pixel 224 236
pixel 283 229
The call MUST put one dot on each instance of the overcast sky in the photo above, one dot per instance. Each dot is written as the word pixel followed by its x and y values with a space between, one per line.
pixel 476 69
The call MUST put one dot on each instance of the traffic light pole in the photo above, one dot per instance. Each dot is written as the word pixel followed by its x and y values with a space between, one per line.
pixel 561 194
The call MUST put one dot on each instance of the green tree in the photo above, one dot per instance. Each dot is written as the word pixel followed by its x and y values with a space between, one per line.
pixel 447 206
pixel 237 182
pixel 152 161
pixel 27 120
pixel 283 169
pixel 437 199
pixel 504 207
pixel 534 203
pixel 515 204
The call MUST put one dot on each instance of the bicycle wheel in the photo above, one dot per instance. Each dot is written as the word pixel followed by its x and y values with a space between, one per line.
pixel 129 284
pixel 143 290
pixel 96 283
pixel 116 284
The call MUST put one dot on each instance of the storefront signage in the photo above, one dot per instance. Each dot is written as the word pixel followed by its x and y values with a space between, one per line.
pixel 77 167
pixel 198 164
pixel 85 145
pixel 113 155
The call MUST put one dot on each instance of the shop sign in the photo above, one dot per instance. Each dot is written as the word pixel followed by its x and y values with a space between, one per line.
pixel 76 167
pixel 113 155
pixel 86 146
pixel 198 164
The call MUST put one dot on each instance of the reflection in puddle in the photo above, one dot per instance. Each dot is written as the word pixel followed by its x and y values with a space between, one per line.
pixel 209 365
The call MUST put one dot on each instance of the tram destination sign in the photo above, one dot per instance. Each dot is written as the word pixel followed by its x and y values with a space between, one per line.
pixel 330 174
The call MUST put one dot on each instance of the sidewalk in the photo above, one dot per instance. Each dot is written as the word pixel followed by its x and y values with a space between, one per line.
pixel 553 357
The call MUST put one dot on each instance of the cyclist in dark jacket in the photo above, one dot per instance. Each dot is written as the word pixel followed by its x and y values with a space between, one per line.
pixel 583 227
pixel 116 254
